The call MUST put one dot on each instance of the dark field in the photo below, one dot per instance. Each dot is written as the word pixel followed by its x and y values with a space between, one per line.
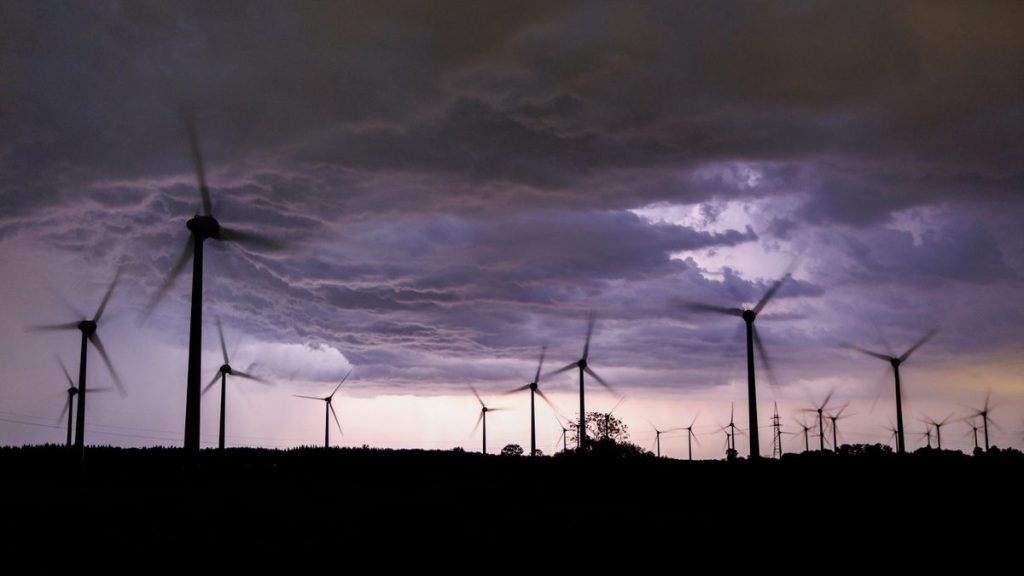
pixel 350 499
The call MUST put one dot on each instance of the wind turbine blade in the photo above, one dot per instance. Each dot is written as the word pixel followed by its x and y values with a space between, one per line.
pixel 340 383
pixel 765 361
pixel 594 375
pixel 51 327
pixel 520 389
pixel 771 292
pixel 565 368
pixel 249 239
pixel 174 272
pixel 66 374
pixel 64 411
pixel 310 397
pixel 880 387
pixel 479 419
pixel 498 409
pixel 223 346
pixel 210 385
pixel 247 376
pixel 475 393
pixel 918 344
pixel 699 307
pixel 336 421
pixel 878 355
pixel 545 398
pixel 827 398
pixel 590 332
pixel 695 438
pixel 106 296
pixel 197 160
pixel 617 404
pixel 95 339
pixel 694 419
pixel 543 352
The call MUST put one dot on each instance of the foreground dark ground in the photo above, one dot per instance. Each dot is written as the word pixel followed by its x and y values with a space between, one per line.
pixel 349 499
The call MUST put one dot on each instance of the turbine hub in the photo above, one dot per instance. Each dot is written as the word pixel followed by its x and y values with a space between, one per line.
pixel 749 315
pixel 203 227
pixel 533 386
pixel 895 362
pixel 88 327
pixel 72 391
pixel 582 364
pixel 226 369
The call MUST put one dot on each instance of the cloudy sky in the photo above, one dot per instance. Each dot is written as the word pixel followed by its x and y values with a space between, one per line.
pixel 452 186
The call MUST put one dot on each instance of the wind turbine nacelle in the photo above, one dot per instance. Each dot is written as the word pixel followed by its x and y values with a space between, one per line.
pixel 203 226
pixel 226 369
pixel 749 315
pixel 88 327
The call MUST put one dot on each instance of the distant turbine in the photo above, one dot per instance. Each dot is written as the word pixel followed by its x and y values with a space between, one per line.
pixel 534 389
pixel 820 409
pixel 483 416
pixel 222 373
pixel 806 428
pixel 730 428
pixel 89 334
pixel 564 437
pixel 583 367
pixel 329 411
pixel 974 428
pixel 72 390
pixel 938 428
pixel 201 227
pixel 690 437
pixel 835 429
pixel 658 433
pixel 608 418
pixel 753 339
pixel 895 362
pixel 984 413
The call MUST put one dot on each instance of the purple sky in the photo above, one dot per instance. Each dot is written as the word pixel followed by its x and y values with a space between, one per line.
pixel 458 185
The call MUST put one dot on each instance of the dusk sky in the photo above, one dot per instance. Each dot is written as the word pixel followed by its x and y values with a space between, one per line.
pixel 454 184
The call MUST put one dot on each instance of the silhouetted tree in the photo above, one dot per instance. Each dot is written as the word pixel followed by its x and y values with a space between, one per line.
pixel 600 426
pixel 512 450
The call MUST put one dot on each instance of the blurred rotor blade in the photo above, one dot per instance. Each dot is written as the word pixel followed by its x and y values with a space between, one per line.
pixel 765 361
pixel 771 292
pixel 565 368
pixel 336 421
pixel 49 327
pixel 210 385
pixel 100 389
pixel 617 404
pixel 699 307
pixel 250 239
pixel 879 387
pixel 66 374
pixel 543 352
pixel 520 389
pixel 248 376
pixel 197 160
pixel 310 397
pixel 479 419
pixel 475 393
pixel 223 346
pixel 695 438
pixel 95 339
pixel 340 383
pixel 694 419
pixel 827 398
pixel 173 274
pixel 918 344
pixel 64 410
pixel 545 398
pixel 498 409
pixel 106 296
pixel 878 355
pixel 590 332
pixel 594 375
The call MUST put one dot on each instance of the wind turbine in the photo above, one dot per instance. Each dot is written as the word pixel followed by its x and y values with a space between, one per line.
pixel 608 418
pixel 891 428
pixel 483 415
pixel 835 429
pixel 974 428
pixel 564 437
pixel 657 435
pixel 581 364
pixel 690 437
pixel 938 428
pixel 222 373
pixel 72 390
pixel 88 329
pixel 730 428
pixel 820 409
pixel 328 412
pixel 984 413
pixel 753 339
pixel 806 428
pixel 201 227
pixel 534 389
pixel 895 362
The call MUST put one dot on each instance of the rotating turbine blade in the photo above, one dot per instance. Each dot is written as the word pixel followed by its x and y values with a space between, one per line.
pixel 594 375
pixel 478 398
pixel 249 239
pixel 340 383
pixel 172 275
pixel 878 355
pixel 590 332
pixel 95 339
pixel 545 398
pixel 617 404
pixel 765 360
pixel 248 376
pixel 520 389
pixel 695 438
pixel 565 368
pixel 479 419
pixel 310 397
pixel 336 421
pixel 827 398
pixel 51 327
pixel 918 344
pixel 197 160
pixel 540 364
pixel 64 410
pixel 699 307
pixel 210 385
pixel 106 296
pixel 223 347
pixel 694 419
pixel 771 292
pixel 66 374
